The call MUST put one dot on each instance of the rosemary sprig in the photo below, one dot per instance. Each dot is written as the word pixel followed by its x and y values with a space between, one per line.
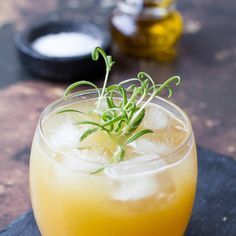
pixel 125 106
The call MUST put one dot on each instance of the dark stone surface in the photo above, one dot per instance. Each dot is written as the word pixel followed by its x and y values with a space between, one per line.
pixel 206 62
pixel 23 226
pixel 214 213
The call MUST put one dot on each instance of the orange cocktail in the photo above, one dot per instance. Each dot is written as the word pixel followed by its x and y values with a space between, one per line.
pixel 77 191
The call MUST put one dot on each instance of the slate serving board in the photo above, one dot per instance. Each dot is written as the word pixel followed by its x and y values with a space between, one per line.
pixel 214 213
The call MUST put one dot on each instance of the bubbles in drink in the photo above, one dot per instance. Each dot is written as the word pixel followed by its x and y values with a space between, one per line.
pixel 166 188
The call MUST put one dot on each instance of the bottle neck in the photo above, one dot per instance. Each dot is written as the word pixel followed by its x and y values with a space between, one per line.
pixel 145 9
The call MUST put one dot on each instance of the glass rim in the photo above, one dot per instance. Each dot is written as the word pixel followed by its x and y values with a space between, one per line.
pixel 173 152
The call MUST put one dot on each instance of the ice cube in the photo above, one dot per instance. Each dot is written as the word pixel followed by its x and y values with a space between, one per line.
pixel 150 147
pixel 155 118
pixel 166 188
pixel 134 178
pixel 134 189
pixel 137 183
pixel 103 105
pixel 66 134
pixel 92 153
pixel 136 166
pixel 83 160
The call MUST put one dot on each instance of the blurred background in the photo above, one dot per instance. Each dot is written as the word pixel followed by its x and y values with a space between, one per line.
pixel 206 61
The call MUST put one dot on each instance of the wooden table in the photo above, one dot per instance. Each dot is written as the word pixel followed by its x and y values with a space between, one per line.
pixel 207 64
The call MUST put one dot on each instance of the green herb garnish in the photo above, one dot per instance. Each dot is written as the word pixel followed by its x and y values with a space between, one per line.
pixel 125 103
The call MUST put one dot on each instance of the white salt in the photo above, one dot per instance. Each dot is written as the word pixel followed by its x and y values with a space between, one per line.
pixel 65 44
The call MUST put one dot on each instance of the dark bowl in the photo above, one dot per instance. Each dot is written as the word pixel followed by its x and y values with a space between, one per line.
pixel 60 68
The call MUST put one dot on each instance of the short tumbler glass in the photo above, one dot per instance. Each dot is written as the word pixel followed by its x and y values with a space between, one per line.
pixel 68 202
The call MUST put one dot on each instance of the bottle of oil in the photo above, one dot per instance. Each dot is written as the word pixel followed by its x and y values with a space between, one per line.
pixel 147 28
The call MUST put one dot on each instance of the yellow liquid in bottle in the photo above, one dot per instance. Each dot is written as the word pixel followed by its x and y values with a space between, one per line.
pixel 147 38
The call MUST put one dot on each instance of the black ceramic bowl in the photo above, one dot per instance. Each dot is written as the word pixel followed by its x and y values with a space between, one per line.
pixel 60 68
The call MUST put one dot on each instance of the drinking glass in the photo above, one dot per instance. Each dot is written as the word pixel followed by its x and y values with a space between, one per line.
pixel 140 198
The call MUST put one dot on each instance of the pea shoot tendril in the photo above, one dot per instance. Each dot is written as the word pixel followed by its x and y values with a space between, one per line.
pixel 125 105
